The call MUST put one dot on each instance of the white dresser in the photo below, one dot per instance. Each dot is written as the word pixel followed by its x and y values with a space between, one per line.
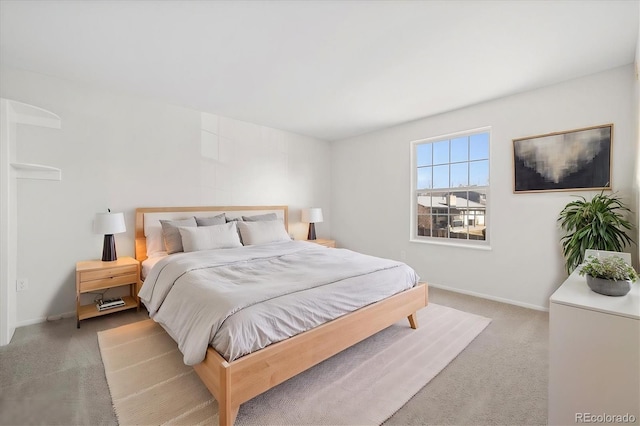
pixel 594 355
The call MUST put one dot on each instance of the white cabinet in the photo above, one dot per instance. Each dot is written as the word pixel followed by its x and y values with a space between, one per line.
pixel 594 355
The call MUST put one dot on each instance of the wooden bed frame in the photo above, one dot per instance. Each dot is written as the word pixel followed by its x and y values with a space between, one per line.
pixel 233 383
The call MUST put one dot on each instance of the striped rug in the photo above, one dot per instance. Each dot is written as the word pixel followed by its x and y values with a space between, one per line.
pixel 364 384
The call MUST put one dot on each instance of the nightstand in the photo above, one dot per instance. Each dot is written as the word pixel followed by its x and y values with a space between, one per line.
pixel 96 275
pixel 324 242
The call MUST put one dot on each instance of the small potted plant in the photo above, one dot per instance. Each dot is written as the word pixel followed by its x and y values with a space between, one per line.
pixel 611 276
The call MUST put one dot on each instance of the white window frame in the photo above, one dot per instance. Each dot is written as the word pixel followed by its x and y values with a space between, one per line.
pixel 413 236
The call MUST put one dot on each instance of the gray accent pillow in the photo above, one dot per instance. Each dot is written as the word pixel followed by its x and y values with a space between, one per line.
pixel 210 221
pixel 260 217
pixel 171 234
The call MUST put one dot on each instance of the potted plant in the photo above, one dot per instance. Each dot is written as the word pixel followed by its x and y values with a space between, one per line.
pixel 596 224
pixel 611 276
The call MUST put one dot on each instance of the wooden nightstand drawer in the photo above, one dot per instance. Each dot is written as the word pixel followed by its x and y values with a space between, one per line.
pixel 112 281
pixel 108 273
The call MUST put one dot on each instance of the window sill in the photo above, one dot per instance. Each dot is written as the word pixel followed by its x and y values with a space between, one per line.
pixel 485 247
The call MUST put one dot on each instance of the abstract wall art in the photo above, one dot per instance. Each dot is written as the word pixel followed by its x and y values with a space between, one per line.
pixel 571 160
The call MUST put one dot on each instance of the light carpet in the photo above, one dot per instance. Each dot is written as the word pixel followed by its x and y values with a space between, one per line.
pixel 363 385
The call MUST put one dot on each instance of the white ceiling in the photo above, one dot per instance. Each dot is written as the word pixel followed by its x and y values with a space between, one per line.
pixel 327 69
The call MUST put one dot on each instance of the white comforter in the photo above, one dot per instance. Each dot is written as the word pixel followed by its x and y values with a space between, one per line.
pixel 243 299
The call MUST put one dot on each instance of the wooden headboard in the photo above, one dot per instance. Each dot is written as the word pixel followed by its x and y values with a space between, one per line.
pixel 183 212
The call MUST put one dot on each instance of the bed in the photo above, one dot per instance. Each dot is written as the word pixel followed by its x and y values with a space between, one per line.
pixel 234 379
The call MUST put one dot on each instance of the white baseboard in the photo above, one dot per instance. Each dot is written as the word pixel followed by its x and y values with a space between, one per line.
pixel 45 319
pixel 489 297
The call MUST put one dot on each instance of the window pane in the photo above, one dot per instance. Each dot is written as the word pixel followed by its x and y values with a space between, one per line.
pixel 424 178
pixel 458 227
pixel 457 208
pixel 441 176
pixel 424 202
pixel 424 226
pixel 479 146
pixel 459 149
pixel 456 221
pixel 441 152
pixel 479 197
pixel 477 232
pixel 459 175
pixel 439 203
pixel 423 154
pixel 440 226
pixel 479 173
pixel 461 200
pixel 477 213
pixel 424 218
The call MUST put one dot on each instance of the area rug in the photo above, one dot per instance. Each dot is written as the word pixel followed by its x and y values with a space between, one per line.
pixel 363 385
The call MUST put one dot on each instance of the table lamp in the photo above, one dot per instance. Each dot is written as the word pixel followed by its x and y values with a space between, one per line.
pixel 312 216
pixel 109 224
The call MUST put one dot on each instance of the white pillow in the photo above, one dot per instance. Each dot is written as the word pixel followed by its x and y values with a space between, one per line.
pixel 155 241
pixel 210 237
pixel 262 232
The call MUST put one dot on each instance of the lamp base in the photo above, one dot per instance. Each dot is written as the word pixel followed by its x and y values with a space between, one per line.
pixel 109 249
pixel 312 232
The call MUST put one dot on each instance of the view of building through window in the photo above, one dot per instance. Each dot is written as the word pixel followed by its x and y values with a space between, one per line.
pixel 451 186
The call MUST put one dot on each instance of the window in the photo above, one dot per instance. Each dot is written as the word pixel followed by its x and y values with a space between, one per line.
pixel 450 188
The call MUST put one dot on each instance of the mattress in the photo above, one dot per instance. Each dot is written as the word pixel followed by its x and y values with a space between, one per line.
pixel 243 299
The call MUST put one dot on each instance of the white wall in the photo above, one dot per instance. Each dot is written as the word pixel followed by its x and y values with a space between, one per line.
pixel 121 152
pixel 371 188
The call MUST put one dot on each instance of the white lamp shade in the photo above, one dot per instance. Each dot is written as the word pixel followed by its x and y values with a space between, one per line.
pixel 312 215
pixel 109 223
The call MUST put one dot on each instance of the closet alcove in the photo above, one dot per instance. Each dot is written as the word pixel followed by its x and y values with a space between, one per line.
pixel 12 114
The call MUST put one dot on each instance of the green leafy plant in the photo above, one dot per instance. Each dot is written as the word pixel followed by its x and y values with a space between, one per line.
pixel 596 224
pixel 610 268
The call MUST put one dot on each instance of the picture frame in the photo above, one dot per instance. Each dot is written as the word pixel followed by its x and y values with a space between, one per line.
pixel 571 160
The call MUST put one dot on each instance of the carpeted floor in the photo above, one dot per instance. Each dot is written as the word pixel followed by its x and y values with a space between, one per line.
pixel 52 374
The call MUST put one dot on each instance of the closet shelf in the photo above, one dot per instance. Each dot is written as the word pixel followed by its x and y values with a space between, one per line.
pixel 36 171
pixel 22 113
